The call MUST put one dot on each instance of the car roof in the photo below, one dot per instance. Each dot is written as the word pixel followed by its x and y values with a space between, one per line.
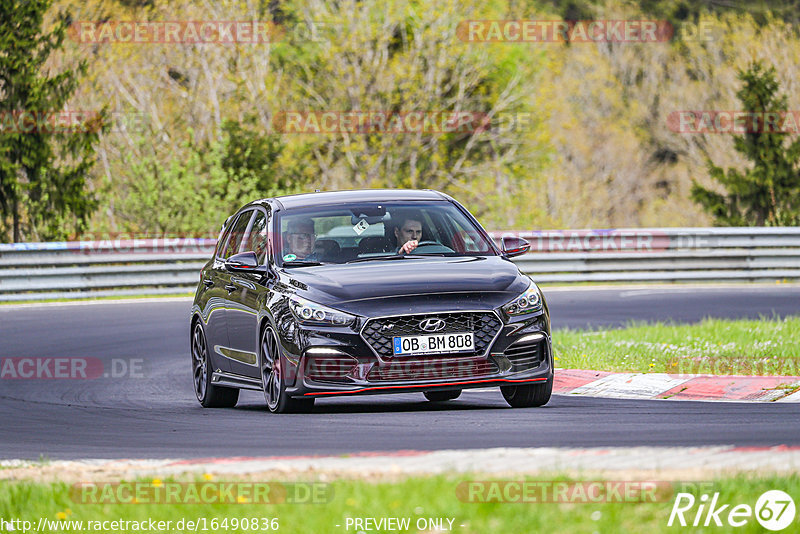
pixel 323 198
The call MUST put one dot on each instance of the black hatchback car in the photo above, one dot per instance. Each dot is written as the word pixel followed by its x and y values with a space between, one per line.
pixel 366 292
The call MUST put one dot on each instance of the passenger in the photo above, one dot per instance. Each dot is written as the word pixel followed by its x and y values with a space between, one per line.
pixel 300 239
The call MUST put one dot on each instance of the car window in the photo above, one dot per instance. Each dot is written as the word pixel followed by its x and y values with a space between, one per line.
pixel 223 238
pixel 363 230
pixel 257 238
pixel 237 234
pixel 467 239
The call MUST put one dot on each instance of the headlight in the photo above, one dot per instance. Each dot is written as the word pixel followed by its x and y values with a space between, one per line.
pixel 530 301
pixel 311 313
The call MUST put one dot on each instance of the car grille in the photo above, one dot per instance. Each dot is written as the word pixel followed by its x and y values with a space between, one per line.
pixel 427 368
pixel 378 333
pixel 525 355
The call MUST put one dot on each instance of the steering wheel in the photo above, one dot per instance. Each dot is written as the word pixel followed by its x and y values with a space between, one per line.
pixel 436 247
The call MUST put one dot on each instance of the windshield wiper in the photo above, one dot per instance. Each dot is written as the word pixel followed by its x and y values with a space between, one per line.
pixel 378 258
pixel 302 263
pixel 394 257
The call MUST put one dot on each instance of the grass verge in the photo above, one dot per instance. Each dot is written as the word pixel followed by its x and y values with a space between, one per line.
pixel 418 499
pixel 714 346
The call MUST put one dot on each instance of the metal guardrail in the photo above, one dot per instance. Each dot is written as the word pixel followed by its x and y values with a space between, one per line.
pixel 662 254
pixel 74 269
pixel 30 271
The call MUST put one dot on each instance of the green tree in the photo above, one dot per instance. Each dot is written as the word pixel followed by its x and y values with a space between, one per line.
pixel 193 193
pixel 43 185
pixel 397 57
pixel 253 156
pixel 769 192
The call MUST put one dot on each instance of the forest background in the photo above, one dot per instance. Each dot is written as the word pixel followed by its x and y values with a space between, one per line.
pixel 581 132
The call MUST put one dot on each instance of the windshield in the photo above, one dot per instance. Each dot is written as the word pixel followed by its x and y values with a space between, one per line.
pixel 364 231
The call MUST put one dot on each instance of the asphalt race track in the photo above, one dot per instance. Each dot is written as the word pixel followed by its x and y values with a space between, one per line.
pixel 154 414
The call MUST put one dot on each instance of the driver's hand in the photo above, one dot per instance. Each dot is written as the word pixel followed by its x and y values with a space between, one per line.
pixel 409 246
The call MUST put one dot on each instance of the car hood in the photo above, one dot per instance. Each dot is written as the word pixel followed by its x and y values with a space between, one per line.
pixel 411 285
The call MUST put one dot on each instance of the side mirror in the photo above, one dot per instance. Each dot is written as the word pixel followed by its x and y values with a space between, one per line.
pixel 245 262
pixel 515 246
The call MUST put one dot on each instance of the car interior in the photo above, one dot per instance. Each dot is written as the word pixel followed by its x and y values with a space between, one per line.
pixel 339 240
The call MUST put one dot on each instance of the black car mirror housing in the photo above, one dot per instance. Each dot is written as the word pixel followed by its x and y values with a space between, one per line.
pixel 245 262
pixel 515 246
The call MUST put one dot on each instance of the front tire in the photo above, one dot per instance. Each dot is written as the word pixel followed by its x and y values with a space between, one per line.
pixel 209 395
pixel 272 378
pixel 441 396
pixel 528 396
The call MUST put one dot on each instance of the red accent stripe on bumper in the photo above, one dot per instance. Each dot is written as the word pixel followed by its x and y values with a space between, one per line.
pixel 424 386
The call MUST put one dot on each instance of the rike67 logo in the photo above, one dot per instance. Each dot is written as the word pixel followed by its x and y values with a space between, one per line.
pixel 774 511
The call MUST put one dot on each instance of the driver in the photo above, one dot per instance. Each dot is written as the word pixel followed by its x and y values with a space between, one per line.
pixel 408 234
pixel 300 239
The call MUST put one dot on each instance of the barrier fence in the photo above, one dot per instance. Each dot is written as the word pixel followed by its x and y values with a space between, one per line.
pixel 118 267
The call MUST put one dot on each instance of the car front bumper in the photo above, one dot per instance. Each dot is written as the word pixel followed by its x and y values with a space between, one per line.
pixel 371 375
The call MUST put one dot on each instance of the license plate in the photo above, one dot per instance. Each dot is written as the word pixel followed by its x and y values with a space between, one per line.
pixel 433 343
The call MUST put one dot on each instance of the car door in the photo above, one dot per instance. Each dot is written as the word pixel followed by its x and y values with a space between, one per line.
pixel 243 301
pixel 221 286
pixel 214 299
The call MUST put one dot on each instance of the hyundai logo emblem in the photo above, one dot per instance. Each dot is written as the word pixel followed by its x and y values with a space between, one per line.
pixel 432 325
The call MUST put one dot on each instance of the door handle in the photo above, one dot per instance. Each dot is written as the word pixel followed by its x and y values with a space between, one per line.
pixel 208 282
pixel 231 288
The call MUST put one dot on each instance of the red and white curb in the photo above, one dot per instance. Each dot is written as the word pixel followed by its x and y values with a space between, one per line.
pixel 518 460
pixel 669 462
pixel 676 387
